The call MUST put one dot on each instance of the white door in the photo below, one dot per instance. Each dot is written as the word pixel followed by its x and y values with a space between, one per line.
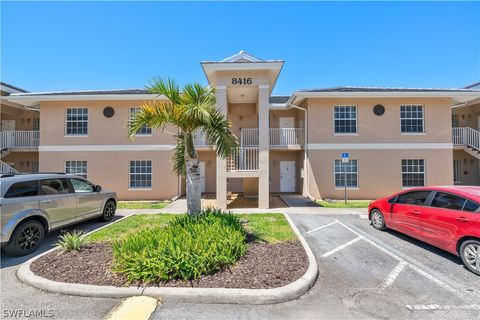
pixel 287 176
pixel 202 175
pixel 286 137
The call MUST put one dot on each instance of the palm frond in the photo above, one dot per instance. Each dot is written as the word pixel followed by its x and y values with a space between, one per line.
pixel 154 114
pixel 178 156
pixel 219 134
pixel 199 103
pixel 165 86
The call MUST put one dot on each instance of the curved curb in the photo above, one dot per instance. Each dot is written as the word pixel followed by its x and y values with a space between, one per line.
pixel 196 295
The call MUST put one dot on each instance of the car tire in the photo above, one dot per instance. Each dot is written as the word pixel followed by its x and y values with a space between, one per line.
pixel 108 211
pixel 470 255
pixel 25 239
pixel 378 220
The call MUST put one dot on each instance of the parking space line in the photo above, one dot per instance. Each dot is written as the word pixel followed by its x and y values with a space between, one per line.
pixel 392 276
pixel 442 307
pixel 343 246
pixel 322 227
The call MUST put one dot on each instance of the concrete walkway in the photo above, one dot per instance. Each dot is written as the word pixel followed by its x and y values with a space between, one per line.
pixel 297 200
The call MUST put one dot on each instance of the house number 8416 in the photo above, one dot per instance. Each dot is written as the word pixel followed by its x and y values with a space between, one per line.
pixel 242 81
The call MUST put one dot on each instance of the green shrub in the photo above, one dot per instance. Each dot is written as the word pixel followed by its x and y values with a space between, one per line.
pixel 72 240
pixel 186 248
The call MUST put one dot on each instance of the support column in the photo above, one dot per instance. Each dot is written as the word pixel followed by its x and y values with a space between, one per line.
pixel 221 97
pixel 264 147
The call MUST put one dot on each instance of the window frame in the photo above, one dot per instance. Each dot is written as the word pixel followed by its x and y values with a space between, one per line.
pixel 80 175
pixel 417 133
pixel 335 175
pixel 65 181
pixel 424 173
pixel 66 134
pixel 130 176
pixel 356 121
pixel 427 201
pixel 457 176
pixel 139 134
pixel 83 180
pixel 10 187
pixel 456 195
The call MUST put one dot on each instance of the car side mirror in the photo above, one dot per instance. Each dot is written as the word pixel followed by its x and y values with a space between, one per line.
pixel 392 200
pixel 98 188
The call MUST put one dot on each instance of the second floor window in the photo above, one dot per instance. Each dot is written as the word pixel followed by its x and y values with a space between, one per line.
pixel 76 121
pixel 411 118
pixel 345 119
pixel 76 167
pixel 144 130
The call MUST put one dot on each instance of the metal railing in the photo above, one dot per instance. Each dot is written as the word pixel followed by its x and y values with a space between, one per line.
pixel 5 168
pixel 200 138
pixel 19 139
pixel 466 136
pixel 245 159
pixel 277 137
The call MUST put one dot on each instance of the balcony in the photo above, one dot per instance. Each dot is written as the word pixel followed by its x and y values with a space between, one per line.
pixel 19 139
pixel 278 137
pixel 244 159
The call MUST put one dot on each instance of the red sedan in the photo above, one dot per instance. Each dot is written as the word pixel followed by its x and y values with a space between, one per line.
pixel 445 217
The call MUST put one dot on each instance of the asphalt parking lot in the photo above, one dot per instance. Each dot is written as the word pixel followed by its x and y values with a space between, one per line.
pixel 364 274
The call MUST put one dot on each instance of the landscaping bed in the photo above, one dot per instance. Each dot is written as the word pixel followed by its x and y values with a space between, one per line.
pixel 273 258
pixel 239 201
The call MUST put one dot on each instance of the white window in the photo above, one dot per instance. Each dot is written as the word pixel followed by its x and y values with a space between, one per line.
pixel 76 167
pixel 36 124
pixel 457 173
pixel 411 118
pixel 144 131
pixel 345 119
pixel 141 174
pixel 455 121
pixel 413 173
pixel 76 121
pixel 346 172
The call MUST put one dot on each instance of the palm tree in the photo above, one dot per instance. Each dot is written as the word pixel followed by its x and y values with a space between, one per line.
pixel 190 109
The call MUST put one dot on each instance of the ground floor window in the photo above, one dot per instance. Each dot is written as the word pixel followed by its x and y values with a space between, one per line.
pixel 413 172
pixel 141 174
pixel 346 172
pixel 457 173
pixel 76 167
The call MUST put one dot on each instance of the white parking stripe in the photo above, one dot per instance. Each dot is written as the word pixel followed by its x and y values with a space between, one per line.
pixel 392 276
pixel 322 227
pixel 343 246
pixel 441 307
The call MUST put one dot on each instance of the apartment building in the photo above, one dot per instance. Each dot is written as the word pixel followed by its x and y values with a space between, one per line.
pixel 395 137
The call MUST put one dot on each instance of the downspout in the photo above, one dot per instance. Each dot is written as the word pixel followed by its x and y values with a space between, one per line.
pixel 305 145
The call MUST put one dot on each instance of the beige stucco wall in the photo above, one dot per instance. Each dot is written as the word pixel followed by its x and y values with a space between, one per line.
pixel 101 130
pixel 23 118
pixel 469 168
pixel 295 113
pixel 21 161
pixel 242 116
pixel 379 171
pixel 111 171
pixel 210 159
pixel 373 128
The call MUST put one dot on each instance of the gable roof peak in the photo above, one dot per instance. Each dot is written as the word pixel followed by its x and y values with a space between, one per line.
pixel 243 56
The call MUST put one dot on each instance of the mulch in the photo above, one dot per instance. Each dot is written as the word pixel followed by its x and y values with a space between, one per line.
pixel 263 266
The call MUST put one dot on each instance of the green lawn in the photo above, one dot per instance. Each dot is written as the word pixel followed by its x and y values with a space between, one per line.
pixel 142 205
pixel 342 204
pixel 271 228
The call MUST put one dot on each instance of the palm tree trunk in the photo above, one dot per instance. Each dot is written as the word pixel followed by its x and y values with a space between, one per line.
pixel 193 178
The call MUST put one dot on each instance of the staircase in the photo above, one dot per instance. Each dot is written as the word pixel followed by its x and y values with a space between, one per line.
pixel 469 139
pixel 5 168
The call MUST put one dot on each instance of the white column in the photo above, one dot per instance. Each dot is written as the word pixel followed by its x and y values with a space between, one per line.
pixel 221 97
pixel 264 148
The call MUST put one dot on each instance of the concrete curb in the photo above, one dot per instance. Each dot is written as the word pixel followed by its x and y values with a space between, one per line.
pixel 196 295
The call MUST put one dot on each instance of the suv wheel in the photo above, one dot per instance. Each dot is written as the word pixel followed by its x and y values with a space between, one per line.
pixel 25 239
pixel 108 211
pixel 378 221
pixel 470 254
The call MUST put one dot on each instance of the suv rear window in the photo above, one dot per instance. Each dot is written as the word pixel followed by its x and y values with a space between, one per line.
pixel 22 189
pixel 54 186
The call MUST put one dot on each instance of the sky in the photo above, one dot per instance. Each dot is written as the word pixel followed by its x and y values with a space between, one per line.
pixel 54 46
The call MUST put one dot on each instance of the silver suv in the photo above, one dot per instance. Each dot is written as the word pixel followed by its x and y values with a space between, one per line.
pixel 31 205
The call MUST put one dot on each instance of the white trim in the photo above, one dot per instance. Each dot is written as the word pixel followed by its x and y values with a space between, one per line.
pixel 345 134
pixel 379 146
pixel 81 97
pixel 424 94
pixel 101 147
pixel 264 86
pixel 413 133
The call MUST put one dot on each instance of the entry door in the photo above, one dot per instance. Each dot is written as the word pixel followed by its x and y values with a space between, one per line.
pixel 202 175
pixel 286 136
pixel 287 176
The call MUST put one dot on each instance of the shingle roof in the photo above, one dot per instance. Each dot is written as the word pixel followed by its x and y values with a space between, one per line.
pixel 85 92
pixel 12 87
pixel 473 86
pixel 278 99
pixel 382 89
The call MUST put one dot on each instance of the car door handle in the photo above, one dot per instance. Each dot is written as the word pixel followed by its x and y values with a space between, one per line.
pixel 416 212
pixel 462 219
pixel 81 197
pixel 46 201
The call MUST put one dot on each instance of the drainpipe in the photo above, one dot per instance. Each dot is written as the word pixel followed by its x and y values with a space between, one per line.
pixel 305 145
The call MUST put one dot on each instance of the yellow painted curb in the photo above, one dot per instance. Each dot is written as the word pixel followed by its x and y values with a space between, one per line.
pixel 134 308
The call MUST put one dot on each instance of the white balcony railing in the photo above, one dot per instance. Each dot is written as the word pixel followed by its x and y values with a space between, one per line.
pixel 466 136
pixel 278 137
pixel 200 138
pixel 245 159
pixel 5 168
pixel 19 139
